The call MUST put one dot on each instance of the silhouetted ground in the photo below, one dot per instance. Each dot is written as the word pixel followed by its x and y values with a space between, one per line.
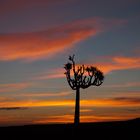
pixel 120 130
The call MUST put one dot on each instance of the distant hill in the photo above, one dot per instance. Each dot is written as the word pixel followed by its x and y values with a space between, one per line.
pixel 119 130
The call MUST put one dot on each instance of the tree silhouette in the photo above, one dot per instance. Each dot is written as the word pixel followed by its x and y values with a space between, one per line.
pixel 81 77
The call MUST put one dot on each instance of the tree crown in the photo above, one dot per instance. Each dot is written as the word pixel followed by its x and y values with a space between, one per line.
pixel 82 76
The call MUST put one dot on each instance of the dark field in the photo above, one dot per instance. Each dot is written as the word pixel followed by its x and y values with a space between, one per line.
pixel 121 130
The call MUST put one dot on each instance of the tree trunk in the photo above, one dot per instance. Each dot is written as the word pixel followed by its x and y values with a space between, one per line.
pixel 77 108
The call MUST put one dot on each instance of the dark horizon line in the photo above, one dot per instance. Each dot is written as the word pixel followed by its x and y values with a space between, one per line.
pixel 82 123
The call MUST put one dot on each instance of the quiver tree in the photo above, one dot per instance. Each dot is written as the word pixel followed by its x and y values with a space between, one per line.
pixel 81 77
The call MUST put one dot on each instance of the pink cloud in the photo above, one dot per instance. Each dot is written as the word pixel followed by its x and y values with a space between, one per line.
pixel 13 87
pixel 59 94
pixel 53 74
pixel 128 84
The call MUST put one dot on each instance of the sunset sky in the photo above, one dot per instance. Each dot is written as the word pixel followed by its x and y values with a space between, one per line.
pixel 36 38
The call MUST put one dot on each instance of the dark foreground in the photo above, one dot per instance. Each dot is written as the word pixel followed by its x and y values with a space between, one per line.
pixel 122 130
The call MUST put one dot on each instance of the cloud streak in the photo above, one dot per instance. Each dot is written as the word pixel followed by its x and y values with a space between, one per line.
pixel 83 118
pixel 12 108
pixel 59 94
pixel 110 102
pixel 116 63
pixel 53 74
pixel 31 46
pixel 13 87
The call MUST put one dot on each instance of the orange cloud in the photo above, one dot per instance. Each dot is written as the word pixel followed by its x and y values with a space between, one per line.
pixel 47 43
pixel 36 103
pixel 115 102
pixel 83 118
pixel 12 117
pixel 114 64
pixel 100 118
pixel 119 63
pixel 85 110
pixel 55 119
